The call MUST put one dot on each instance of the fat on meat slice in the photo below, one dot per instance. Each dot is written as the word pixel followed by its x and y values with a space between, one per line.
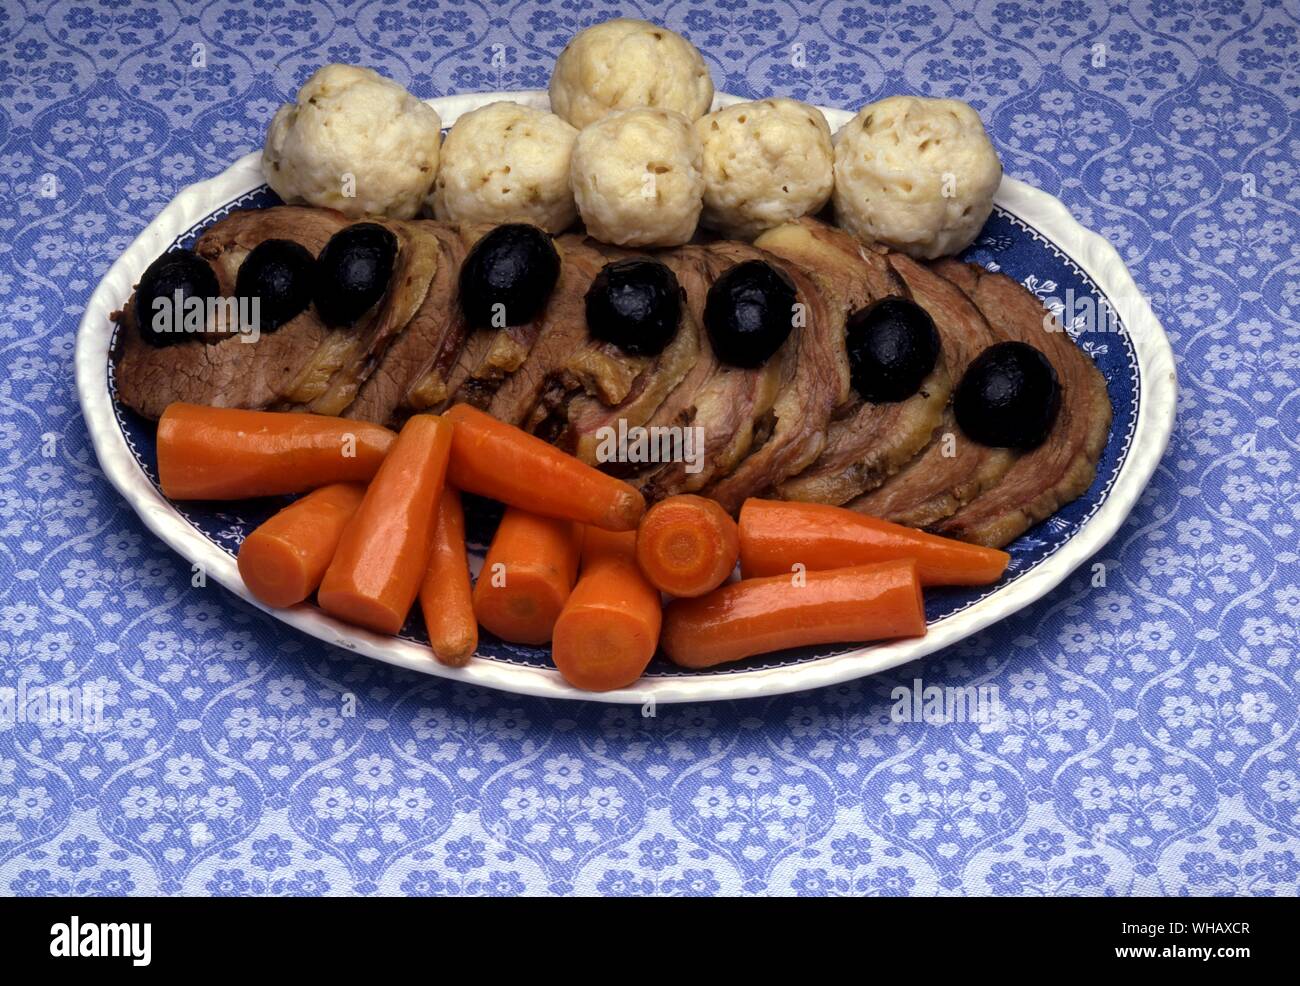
pixel 561 334
pixel 865 442
pixel 724 405
pixel 1044 479
pixel 953 468
pixel 426 348
pixel 813 380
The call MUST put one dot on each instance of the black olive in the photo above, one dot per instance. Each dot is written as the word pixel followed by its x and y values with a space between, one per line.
pixel 280 274
pixel 892 346
pixel 1009 397
pixel 352 272
pixel 508 276
pixel 178 270
pixel 635 304
pixel 749 313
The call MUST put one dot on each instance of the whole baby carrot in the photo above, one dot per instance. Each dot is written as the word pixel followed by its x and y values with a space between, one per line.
pixel 445 595
pixel 687 545
pixel 609 628
pixel 384 551
pixel 224 453
pixel 497 460
pixel 283 561
pixel 776 535
pixel 527 576
pixel 866 602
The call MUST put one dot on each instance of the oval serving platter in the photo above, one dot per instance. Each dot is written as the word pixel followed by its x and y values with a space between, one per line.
pixel 1031 237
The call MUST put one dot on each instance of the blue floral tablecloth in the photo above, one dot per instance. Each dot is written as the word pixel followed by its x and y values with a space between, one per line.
pixel 1150 744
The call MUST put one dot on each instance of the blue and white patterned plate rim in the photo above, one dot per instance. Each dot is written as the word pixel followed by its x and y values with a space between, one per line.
pixel 1039 214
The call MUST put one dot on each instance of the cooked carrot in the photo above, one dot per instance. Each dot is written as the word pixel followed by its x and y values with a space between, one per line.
pixel 384 551
pixel 867 602
pixel 527 576
pixel 445 594
pixel 497 460
pixel 283 561
pixel 224 453
pixel 776 535
pixel 687 545
pixel 609 628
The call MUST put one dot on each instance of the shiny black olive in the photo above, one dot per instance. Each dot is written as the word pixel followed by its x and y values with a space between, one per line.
pixel 280 274
pixel 508 276
pixel 352 272
pixel 892 346
pixel 1009 397
pixel 179 270
pixel 635 304
pixel 749 313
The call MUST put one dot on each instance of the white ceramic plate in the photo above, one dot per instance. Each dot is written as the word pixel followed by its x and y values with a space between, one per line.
pixel 1030 229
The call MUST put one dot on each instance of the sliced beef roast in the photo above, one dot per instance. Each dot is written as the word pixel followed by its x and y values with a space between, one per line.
pixel 953 468
pixel 487 357
pixel 229 372
pixel 562 333
pixel 723 405
pixel 1063 467
pixel 339 369
pixel 425 350
pixel 813 380
pixel 865 442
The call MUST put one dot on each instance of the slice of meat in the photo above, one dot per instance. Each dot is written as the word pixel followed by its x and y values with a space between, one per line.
pixel 340 368
pixel 580 417
pixel 600 389
pixel 231 372
pixel 487 357
pixel 948 472
pixel 865 442
pixel 1041 481
pixel 722 406
pixel 812 381
pixel 953 468
pixel 426 348
pixel 561 334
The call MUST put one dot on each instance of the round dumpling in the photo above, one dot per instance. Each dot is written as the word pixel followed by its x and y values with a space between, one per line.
pixel 636 178
pixel 915 174
pixel 765 163
pixel 626 63
pixel 353 141
pixel 506 162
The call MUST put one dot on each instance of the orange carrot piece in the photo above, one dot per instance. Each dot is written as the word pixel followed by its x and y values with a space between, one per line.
pixel 224 453
pixel 445 595
pixel 776 535
pixel 867 602
pixel 384 551
pixel 527 576
pixel 609 628
pixel 283 561
pixel 687 545
pixel 497 460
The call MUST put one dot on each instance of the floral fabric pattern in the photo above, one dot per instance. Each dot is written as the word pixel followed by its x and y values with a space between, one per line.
pixel 1147 739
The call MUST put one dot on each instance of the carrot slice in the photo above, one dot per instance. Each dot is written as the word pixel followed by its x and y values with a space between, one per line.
pixel 224 453
pixel 775 535
pixel 527 576
pixel 445 594
pixel 867 602
pixel 384 551
pixel 687 545
pixel 283 561
pixel 609 628
pixel 497 460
